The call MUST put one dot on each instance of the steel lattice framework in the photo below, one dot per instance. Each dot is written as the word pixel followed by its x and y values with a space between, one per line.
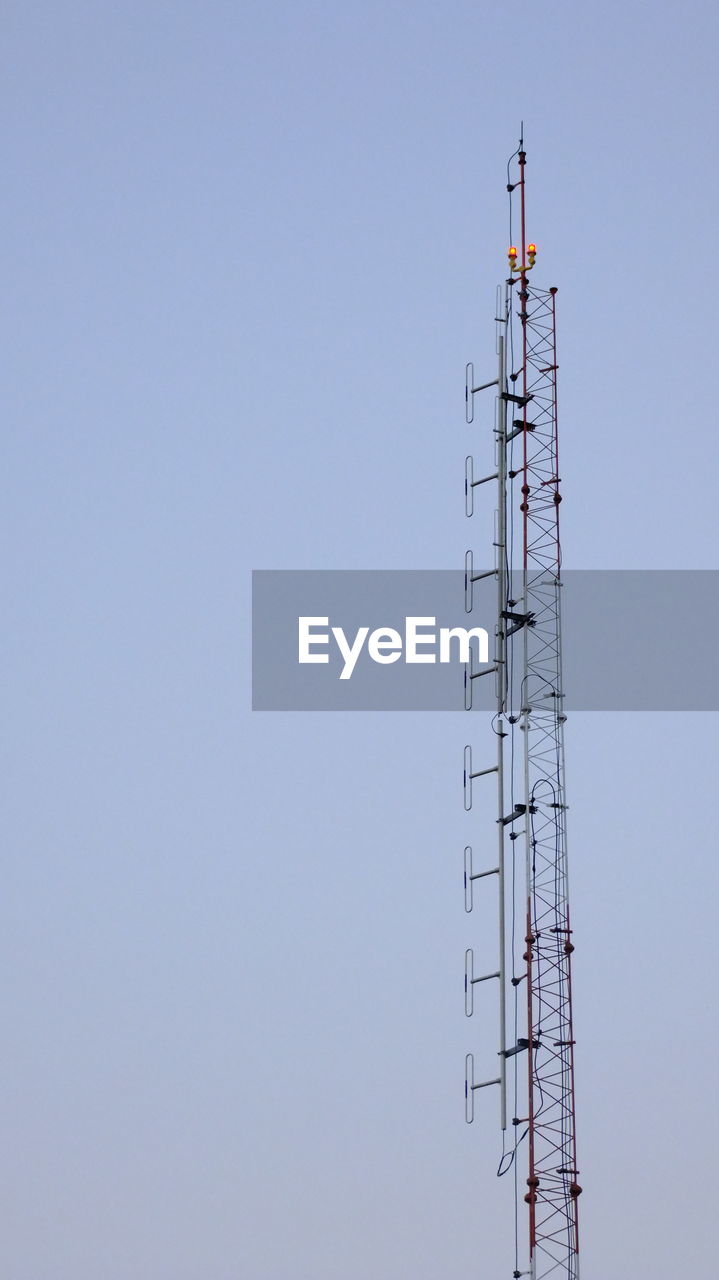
pixel 553 1188
pixel 535 980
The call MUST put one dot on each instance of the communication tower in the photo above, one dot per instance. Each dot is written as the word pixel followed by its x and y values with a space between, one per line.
pixel 535 1077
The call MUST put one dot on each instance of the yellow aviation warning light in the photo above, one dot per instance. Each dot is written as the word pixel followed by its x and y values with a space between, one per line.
pixel 512 255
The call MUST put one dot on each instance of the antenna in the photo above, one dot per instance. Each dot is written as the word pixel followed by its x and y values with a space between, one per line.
pixel 533 971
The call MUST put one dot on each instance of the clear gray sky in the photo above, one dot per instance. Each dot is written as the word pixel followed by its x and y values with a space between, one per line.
pixel 248 248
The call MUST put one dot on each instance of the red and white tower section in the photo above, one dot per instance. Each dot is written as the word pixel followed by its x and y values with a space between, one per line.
pixel 533 974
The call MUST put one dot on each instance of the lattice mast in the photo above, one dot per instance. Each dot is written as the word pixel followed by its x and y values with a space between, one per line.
pixel 534 977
